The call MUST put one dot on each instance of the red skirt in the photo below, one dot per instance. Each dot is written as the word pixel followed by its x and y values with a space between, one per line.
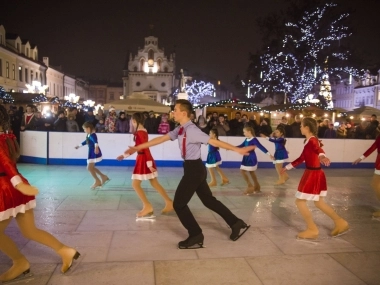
pixel 141 171
pixel 13 201
pixel 312 185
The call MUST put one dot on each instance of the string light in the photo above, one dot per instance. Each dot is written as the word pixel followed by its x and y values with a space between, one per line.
pixel 197 90
pixel 40 98
pixel 301 65
pixel 6 97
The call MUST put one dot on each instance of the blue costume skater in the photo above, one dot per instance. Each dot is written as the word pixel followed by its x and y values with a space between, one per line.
pixel 249 162
pixel 92 141
pixel 213 157
pixel 280 154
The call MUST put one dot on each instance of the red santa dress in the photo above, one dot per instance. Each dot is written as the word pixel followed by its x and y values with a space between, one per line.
pixel 12 201
pixel 313 182
pixel 144 159
pixel 372 148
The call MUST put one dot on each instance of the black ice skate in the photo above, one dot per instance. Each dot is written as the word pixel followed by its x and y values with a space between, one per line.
pixel 236 228
pixel 194 242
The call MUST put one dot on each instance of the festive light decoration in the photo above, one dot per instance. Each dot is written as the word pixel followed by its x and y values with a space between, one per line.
pixel 40 98
pixel 72 98
pixel 55 100
pixel 197 90
pixel 5 97
pixel 299 65
pixel 36 87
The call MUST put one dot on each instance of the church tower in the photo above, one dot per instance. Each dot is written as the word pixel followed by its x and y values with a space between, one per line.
pixel 149 72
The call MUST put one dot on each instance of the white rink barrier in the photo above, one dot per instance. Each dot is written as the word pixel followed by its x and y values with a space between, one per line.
pixel 58 148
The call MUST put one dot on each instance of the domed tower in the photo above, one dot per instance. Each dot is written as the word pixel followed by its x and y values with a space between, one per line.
pixel 150 71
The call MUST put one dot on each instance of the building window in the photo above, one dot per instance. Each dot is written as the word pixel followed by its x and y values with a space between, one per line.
pixel 138 83
pixel 41 78
pixel 18 47
pixel 163 84
pixel 7 69
pixel 31 76
pixel 26 76
pixel 112 96
pixel 27 52
pixel 20 73
pixel 13 72
pixel 1 39
pixel 1 67
pixel 151 54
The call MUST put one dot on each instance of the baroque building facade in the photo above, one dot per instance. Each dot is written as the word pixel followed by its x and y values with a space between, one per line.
pixel 20 65
pixel 150 72
pixel 349 94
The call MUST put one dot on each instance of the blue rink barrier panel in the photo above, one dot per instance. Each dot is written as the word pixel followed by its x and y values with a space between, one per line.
pixel 56 148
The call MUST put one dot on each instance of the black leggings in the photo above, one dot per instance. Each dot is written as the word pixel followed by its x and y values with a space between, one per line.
pixel 194 180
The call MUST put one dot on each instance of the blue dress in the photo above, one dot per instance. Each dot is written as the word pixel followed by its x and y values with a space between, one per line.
pixel 280 153
pixel 249 162
pixel 91 141
pixel 213 157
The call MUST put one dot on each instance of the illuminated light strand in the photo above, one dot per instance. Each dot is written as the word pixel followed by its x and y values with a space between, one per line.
pixel 283 72
pixel 197 90
pixel 40 98
pixel 5 96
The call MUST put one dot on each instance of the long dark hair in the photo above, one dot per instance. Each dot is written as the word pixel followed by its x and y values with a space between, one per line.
pixel 281 129
pixel 313 127
pixel 139 118
pixel 13 146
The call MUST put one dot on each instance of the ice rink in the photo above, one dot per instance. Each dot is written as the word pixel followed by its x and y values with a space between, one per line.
pixel 117 249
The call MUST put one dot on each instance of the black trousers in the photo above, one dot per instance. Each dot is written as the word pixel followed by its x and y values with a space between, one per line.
pixel 194 181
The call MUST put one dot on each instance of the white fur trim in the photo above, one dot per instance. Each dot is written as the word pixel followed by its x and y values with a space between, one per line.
pixel 310 197
pixel 12 212
pixel 16 180
pixel 214 164
pixel 94 160
pixel 144 176
pixel 149 163
pixel 289 166
pixel 362 157
pixel 377 171
pixel 248 168
pixel 279 161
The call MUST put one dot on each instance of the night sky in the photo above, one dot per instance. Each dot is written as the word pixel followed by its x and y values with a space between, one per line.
pixel 213 38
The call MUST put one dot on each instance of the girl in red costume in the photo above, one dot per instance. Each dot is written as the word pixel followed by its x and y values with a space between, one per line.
pixel 375 184
pixel 17 200
pixel 313 186
pixel 145 169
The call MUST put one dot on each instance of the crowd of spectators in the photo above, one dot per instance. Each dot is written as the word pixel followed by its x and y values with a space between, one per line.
pixel 72 119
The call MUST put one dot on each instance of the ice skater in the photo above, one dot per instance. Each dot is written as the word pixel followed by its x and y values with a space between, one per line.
pixel 145 169
pixel 190 138
pixel 280 154
pixel 214 160
pixel 94 155
pixel 312 186
pixel 249 163
pixel 375 184
pixel 17 201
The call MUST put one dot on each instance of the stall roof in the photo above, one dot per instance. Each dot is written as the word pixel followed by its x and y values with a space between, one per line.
pixel 138 102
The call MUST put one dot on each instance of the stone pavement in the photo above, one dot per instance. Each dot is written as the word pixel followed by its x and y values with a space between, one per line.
pixel 117 249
